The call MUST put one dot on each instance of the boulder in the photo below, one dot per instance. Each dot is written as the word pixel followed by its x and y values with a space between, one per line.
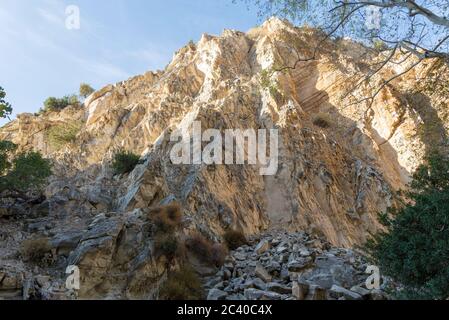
pixel 216 294
pixel 300 264
pixel 337 292
pixel 316 293
pixel 255 294
pixel 361 291
pixel 262 273
pixel 262 247
pixel 300 290
pixel 278 288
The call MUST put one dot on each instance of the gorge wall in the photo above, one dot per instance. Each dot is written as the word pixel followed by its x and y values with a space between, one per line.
pixel 332 181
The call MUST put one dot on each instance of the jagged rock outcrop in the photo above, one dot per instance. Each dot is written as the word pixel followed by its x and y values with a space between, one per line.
pixel 331 181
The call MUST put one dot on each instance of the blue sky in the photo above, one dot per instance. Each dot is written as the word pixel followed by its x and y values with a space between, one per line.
pixel 118 39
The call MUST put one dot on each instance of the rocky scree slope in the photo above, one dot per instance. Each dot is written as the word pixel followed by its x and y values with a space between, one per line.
pixel 293 266
pixel 331 183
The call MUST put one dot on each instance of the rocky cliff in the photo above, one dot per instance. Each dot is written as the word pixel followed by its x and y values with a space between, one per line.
pixel 332 179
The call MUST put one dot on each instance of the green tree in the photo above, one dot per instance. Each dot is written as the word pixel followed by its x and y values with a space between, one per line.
pixel 58 104
pixel 6 149
pixel 5 107
pixel 27 171
pixel 400 24
pixel 414 249
pixel 86 90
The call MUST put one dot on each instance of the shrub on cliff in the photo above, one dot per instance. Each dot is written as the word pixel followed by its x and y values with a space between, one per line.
pixel 60 135
pixel 26 172
pixel 124 162
pixel 234 239
pixel 23 172
pixel 415 248
pixel 58 104
pixel 166 245
pixel 85 90
pixel 37 251
pixel 322 120
pixel 182 285
pixel 166 219
pixel 208 252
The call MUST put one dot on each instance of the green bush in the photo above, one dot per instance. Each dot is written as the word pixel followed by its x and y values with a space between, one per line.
pixel 28 172
pixel 414 250
pixel 182 285
pixel 23 172
pixel 58 104
pixel 85 90
pixel 124 162
pixel 63 134
pixel 234 239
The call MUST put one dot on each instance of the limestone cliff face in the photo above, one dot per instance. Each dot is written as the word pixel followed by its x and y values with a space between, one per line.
pixel 331 181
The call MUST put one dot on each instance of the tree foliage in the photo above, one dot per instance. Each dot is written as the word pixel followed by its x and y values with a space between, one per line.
pixel 23 172
pixel 414 249
pixel 27 172
pixel 58 104
pixel 404 32
pixel 420 27
pixel 5 107
pixel 85 90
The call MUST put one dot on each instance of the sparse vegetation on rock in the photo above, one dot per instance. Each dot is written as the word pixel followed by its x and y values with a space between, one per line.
pixel 167 245
pixel 62 134
pixel 166 219
pixel 124 162
pixel 85 90
pixel 183 284
pixel 58 104
pixel 207 251
pixel 37 251
pixel 322 120
pixel 234 239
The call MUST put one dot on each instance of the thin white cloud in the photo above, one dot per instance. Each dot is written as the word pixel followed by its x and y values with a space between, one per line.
pixel 51 17
pixel 156 58
pixel 102 69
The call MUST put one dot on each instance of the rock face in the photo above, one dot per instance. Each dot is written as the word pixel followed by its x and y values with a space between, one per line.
pixel 331 180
